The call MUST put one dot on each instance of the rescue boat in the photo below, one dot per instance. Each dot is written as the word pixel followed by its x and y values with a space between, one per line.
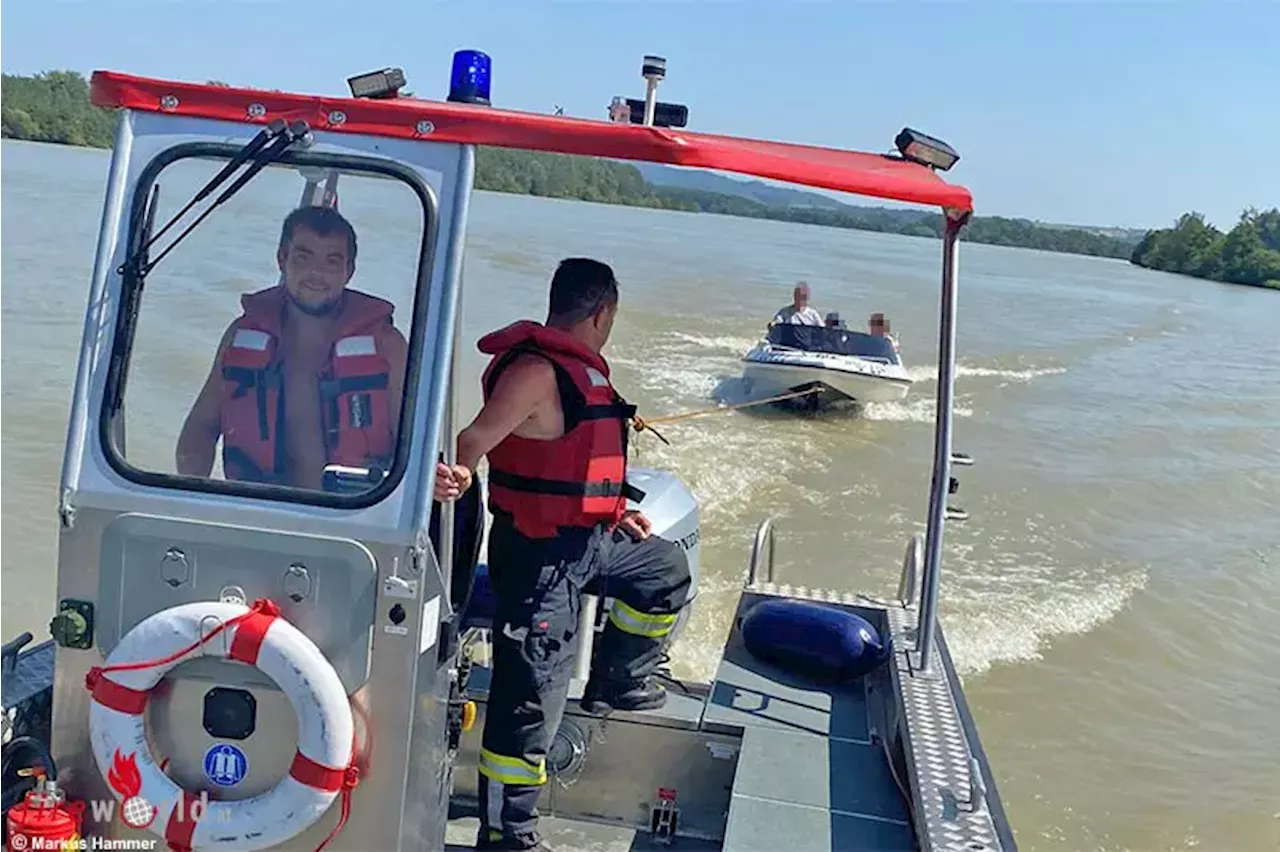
pixel 261 665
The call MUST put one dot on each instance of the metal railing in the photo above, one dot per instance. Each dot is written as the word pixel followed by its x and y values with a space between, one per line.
pixel 763 544
pixel 586 636
pixel 942 485
pixel 764 550
pixel 909 580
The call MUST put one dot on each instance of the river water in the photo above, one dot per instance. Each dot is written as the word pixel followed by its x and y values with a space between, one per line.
pixel 1112 601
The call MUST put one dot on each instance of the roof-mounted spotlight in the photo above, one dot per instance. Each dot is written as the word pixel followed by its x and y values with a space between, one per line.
pixel 379 85
pixel 925 150
pixel 469 82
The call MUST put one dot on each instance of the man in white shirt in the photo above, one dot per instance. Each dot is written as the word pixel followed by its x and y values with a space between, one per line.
pixel 798 312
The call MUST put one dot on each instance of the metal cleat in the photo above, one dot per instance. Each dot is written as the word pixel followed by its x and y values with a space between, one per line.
pixel 665 817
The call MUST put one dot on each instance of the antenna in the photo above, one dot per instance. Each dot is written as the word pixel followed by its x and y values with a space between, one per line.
pixel 649 112
pixel 653 69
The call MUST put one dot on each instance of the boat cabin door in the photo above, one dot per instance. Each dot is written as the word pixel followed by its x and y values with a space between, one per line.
pixel 260 402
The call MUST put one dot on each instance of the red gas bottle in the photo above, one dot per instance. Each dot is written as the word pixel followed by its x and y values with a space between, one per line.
pixel 44 820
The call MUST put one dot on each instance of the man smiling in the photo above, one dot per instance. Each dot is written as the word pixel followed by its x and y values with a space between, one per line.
pixel 331 353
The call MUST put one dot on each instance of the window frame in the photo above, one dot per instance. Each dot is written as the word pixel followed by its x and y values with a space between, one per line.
pixel 113 397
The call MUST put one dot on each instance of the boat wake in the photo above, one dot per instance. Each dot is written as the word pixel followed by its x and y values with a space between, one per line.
pixel 1007 605
pixel 1010 589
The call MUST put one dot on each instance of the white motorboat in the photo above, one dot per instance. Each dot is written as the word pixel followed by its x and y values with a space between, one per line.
pixel 847 366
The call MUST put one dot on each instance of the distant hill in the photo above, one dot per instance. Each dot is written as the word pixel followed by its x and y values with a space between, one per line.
pixel 754 190
pixel 1127 235
pixel 692 182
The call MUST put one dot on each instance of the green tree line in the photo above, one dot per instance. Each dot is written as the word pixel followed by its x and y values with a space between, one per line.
pixel 54 107
pixel 1247 254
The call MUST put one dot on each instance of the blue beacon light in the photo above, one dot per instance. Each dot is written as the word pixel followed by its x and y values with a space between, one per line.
pixel 469 83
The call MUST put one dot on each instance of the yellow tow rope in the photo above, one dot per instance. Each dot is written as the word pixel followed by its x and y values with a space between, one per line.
pixel 640 424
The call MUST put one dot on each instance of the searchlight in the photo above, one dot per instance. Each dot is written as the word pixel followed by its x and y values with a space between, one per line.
pixel 925 150
pixel 378 85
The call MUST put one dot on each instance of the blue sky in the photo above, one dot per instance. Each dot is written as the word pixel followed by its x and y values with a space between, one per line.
pixel 1107 113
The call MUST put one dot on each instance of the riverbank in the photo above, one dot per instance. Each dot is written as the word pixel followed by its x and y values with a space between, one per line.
pixel 1248 254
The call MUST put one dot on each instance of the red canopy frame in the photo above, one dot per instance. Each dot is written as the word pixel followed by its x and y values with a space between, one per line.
pixel 876 175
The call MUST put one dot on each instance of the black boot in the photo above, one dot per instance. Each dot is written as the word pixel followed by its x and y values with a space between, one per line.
pixel 621 678
pixel 601 698
pixel 510 842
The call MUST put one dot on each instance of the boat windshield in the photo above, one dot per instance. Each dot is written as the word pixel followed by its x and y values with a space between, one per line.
pixel 272 346
pixel 837 341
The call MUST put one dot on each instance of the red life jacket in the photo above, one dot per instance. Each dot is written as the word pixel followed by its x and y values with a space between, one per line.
pixel 578 479
pixel 355 405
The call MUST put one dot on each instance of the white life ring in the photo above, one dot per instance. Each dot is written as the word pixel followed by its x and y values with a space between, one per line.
pixel 260 637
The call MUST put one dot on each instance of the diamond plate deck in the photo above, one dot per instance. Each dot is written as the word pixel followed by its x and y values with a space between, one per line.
pixel 937 752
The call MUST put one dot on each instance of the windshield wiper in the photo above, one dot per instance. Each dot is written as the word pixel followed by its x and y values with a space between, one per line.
pixel 264 149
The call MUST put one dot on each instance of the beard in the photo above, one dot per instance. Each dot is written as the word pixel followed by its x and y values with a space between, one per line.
pixel 323 309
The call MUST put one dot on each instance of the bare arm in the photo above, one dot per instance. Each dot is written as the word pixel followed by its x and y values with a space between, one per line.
pixel 525 386
pixel 198 439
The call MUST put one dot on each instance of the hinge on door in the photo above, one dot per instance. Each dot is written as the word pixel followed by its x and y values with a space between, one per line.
pixel 66 511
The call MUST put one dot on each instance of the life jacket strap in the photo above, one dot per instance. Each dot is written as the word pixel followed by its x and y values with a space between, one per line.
pixel 333 388
pixel 260 381
pixel 560 488
pixel 619 410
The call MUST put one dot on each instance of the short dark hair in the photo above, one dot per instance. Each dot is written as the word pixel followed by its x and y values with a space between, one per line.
pixel 325 221
pixel 580 287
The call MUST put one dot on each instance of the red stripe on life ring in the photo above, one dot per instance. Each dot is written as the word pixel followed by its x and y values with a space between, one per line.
pixel 251 632
pixel 113 696
pixel 182 823
pixel 307 771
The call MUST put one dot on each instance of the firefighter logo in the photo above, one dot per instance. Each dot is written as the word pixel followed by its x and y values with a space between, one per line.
pixel 125 779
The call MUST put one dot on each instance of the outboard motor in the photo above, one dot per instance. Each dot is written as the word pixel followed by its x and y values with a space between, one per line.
pixel 672 510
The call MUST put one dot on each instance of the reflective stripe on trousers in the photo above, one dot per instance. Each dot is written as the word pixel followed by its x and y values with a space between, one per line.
pixel 511 770
pixel 650 625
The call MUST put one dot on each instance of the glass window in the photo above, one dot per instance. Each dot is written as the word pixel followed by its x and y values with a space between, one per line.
pixel 271 345
pixel 833 340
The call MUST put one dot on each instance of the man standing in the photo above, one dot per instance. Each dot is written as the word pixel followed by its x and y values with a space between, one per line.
pixel 331 353
pixel 555 433
pixel 798 312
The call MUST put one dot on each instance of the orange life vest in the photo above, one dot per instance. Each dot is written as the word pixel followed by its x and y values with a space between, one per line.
pixel 355 405
pixel 578 479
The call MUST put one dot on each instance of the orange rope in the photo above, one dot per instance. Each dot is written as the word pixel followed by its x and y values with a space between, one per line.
pixel 640 424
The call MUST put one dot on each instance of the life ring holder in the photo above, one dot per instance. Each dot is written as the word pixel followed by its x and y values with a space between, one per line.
pixel 322 769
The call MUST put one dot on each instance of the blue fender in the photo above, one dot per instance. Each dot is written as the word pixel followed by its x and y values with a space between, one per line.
pixel 813 639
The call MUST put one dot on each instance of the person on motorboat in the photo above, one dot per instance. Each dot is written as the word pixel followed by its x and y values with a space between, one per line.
pixel 310 374
pixel 834 321
pixel 880 328
pixel 555 434
pixel 799 311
